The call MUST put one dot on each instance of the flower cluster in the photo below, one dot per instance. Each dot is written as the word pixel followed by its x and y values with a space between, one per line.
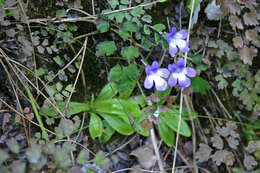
pixel 177 73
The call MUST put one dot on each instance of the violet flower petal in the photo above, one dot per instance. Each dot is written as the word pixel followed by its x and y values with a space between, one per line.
pixel 182 34
pixel 148 82
pixel 172 80
pixel 190 72
pixel 160 84
pixel 163 72
pixel 180 63
pixel 183 80
pixel 172 67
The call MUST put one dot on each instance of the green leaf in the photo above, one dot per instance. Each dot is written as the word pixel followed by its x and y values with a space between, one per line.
pixel 108 132
pixel 102 25
pixel 13 145
pixel 106 48
pixel 166 134
pixel 95 126
pixel 171 120
pixel 165 44
pixel 147 18
pixel 147 30
pixel 197 59
pixel 40 72
pixel 101 161
pixel 59 86
pixel 146 43
pixel 58 60
pixel 137 12
pixel 113 3
pixel 129 26
pixel 159 27
pixel 200 85
pixel 119 17
pixel 107 92
pixel 157 38
pixel 125 2
pixel 73 108
pixel 124 77
pixel 82 157
pixel 189 5
pixel 124 34
pixel 3 156
pixel 130 52
pixel 118 124
pixel 185 114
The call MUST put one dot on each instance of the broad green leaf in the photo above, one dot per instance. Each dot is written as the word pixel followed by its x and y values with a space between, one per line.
pixel 171 120
pixel 189 5
pixel 159 27
pixel 199 85
pixel 137 12
pixel 129 26
pixel 117 123
pixel 130 52
pixel 166 134
pixel 73 108
pixel 102 25
pixel 185 114
pixel 146 43
pixel 118 107
pixel 108 132
pixel 107 92
pixel 95 126
pixel 139 100
pixel 106 48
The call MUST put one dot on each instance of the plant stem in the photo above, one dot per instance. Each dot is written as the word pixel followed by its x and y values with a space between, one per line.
pixel 38 117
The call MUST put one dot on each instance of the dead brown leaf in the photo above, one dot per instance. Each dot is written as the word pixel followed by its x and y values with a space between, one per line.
pixel 233 7
pixel 251 35
pixel 237 42
pixel 247 54
pixel 250 18
pixel 145 157
pixel 235 22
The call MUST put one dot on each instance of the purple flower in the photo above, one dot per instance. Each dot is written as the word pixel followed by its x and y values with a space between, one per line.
pixel 157 76
pixel 180 74
pixel 177 39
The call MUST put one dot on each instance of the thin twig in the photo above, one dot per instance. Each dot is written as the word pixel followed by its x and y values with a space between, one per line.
pixel 19 113
pixel 181 99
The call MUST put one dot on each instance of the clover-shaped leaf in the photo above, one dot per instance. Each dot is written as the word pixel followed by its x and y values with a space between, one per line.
pixel 106 48
pixel 130 52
